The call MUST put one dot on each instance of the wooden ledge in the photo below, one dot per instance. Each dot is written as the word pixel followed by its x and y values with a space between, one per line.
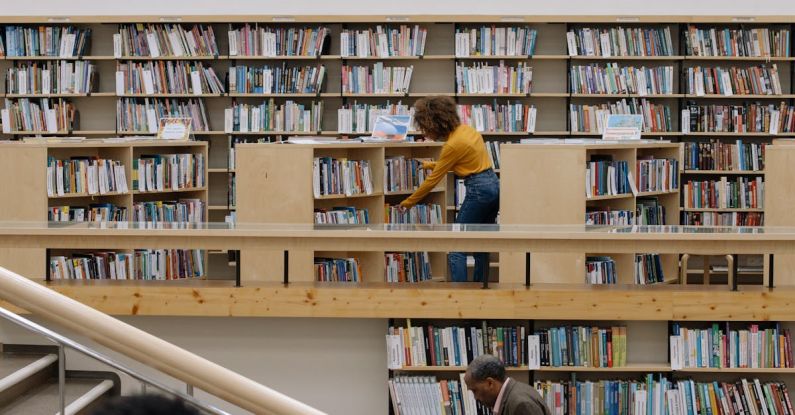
pixel 432 300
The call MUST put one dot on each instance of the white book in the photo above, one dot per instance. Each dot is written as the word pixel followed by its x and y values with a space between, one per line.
pixel 233 43
pixel 571 41
pixel 233 79
pixel 531 120
pixel 154 47
pixel 176 44
pixel 685 121
pixel 243 119
pixel 149 83
pixel 51 118
pixel 533 351
pixel 117 45
pixel 775 119
pixel 151 120
pixel 229 120
pixel 196 82
pixel 120 83
pixel 46 82
pixel 22 81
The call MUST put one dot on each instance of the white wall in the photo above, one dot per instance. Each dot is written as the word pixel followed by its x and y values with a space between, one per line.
pixel 405 7
pixel 335 365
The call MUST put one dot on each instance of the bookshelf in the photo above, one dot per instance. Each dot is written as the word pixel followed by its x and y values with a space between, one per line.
pixel 275 185
pixel 552 192
pixel 27 199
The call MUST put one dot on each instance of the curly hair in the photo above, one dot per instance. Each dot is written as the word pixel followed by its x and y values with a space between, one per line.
pixel 436 116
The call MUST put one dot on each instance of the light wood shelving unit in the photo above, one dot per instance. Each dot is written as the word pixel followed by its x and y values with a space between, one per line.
pixel 553 193
pixel 275 185
pixel 26 197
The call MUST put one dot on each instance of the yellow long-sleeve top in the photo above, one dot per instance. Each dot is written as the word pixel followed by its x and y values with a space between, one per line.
pixel 464 153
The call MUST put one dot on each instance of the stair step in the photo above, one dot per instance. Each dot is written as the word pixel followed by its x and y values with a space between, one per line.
pixel 43 399
pixel 23 372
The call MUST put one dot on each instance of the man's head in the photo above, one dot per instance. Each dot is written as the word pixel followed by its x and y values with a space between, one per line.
pixel 485 376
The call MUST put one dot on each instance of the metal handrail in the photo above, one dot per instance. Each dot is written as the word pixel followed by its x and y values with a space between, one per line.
pixel 150 350
pixel 62 340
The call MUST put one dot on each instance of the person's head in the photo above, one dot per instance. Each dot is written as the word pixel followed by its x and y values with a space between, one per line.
pixel 144 405
pixel 436 116
pixel 484 377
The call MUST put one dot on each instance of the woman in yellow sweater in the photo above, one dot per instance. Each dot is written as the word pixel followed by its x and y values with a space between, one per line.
pixel 464 153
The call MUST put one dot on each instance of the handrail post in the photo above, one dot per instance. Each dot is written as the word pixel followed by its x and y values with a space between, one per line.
pixel 237 267
pixel 286 267
pixel 61 379
pixel 770 274
pixel 527 269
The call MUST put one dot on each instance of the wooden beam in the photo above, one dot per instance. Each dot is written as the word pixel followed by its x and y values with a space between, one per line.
pixel 434 300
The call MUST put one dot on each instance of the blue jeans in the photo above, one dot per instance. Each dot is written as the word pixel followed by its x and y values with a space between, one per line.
pixel 481 204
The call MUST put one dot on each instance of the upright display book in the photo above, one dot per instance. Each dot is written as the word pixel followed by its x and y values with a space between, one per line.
pixel 390 128
pixel 623 127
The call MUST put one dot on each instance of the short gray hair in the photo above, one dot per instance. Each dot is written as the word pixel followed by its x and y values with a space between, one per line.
pixel 486 366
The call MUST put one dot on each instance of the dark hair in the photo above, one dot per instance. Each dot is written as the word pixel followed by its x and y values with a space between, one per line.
pixel 436 116
pixel 144 405
pixel 486 366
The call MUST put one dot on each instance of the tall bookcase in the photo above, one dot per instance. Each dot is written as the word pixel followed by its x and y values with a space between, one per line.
pixel 26 198
pixel 275 186
pixel 552 192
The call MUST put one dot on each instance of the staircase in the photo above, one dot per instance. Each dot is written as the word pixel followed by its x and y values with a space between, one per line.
pixel 29 383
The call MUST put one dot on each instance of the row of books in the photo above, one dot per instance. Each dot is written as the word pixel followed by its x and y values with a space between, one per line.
pixel 277 41
pixel 600 270
pixel 760 41
pixel 509 117
pixel 95 212
pixel 162 172
pixel 142 264
pixel 360 118
pixel 592 118
pixel 648 269
pixel 402 174
pixel 754 80
pixel 747 118
pixel 665 397
pixel 407 267
pixel 648 212
pixel 429 345
pixel 612 79
pixel 495 41
pixel 48 115
pixel 85 175
pixel 723 218
pixel 578 346
pixel 425 395
pixel 715 155
pixel 290 116
pixel 657 175
pixel 55 41
pixel 143 115
pixel 58 77
pixel 485 78
pixel 342 215
pixel 376 80
pixel 383 41
pixel 620 41
pixel 739 193
pixel 276 79
pixel 424 214
pixel 158 40
pixel 606 177
pixel 332 176
pixel 493 148
pixel 751 347
pixel 337 270
pixel 167 77
pixel 182 210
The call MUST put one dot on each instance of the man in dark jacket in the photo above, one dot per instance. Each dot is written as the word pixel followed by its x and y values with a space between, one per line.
pixel 486 379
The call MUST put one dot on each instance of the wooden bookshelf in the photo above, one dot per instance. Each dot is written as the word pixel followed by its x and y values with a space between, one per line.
pixel 275 182
pixel 553 192
pixel 27 199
